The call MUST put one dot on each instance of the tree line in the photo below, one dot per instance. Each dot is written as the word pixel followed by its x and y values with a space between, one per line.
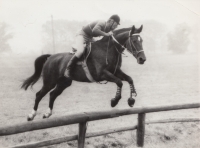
pixel 157 37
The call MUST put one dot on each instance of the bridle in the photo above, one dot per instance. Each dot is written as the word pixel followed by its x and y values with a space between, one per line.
pixel 131 44
pixel 122 46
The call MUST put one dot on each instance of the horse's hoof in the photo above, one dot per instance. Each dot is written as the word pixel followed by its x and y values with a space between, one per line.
pixel 115 101
pixel 46 116
pixel 29 119
pixel 131 102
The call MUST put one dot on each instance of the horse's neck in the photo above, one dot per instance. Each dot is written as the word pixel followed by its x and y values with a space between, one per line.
pixel 122 37
pixel 107 49
pixel 107 43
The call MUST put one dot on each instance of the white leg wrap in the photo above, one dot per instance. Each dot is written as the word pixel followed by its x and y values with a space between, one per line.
pixel 50 111
pixel 132 90
pixel 48 114
pixel 118 91
pixel 32 114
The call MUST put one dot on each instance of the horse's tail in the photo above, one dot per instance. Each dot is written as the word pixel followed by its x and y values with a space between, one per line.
pixel 39 62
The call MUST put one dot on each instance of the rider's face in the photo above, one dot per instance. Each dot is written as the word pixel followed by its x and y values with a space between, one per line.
pixel 112 24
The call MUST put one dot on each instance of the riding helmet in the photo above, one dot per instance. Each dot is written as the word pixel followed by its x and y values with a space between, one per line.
pixel 116 18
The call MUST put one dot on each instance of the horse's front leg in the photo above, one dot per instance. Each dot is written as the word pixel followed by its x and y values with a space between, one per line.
pixel 111 78
pixel 120 74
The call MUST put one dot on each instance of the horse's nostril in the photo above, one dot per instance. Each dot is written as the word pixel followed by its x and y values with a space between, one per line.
pixel 141 60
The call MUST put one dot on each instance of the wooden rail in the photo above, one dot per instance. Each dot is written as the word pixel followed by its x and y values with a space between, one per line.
pixel 99 133
pixel 83 118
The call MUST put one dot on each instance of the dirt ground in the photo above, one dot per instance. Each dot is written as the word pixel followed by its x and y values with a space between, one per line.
pixel 162 80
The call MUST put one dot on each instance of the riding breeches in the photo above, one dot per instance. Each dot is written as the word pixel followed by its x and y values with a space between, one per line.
pixel 81 40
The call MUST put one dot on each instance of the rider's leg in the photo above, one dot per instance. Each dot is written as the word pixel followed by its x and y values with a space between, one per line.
pixel 70 66
pixel 80 46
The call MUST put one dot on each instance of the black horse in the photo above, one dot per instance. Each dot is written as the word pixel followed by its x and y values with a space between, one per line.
pixel 104 63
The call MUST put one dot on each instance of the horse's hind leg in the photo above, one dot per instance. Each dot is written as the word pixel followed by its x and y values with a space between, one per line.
pixel 62 85
pixel 39 95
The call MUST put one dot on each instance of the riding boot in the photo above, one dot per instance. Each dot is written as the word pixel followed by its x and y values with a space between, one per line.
pixel 70 66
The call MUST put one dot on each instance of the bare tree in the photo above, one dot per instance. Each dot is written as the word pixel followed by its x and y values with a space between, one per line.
pixel 154 36
pixel 178 41
pixel 64 34
pixel 5 36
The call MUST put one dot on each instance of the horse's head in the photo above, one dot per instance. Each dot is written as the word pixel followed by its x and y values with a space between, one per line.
pixel 134 45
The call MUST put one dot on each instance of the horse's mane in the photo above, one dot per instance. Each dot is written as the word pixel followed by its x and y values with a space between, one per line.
pixel 115 32
pixel 121 30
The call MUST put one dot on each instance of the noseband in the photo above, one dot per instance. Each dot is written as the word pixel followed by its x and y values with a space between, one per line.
pixel 129 40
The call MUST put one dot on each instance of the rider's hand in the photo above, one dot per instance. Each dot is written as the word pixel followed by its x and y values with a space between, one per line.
pixel 110 33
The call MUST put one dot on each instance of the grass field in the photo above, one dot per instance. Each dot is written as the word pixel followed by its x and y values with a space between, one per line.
pixel 162 80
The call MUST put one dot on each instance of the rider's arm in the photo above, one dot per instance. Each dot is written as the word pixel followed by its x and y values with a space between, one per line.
pixel 97 30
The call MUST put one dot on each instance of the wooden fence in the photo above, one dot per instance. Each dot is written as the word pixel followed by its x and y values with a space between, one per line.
pixel 83 118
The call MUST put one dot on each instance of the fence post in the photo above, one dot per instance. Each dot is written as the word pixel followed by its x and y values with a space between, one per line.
pixel 81 134
pixel 141 129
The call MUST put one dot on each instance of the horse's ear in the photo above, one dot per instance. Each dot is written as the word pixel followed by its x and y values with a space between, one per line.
pixel 133 30
pixel 140 29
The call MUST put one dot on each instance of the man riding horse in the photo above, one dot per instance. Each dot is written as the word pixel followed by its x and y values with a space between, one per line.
pixel 104 63
pixel 94 29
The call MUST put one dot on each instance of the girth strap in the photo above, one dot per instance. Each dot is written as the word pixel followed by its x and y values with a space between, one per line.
pixel 83 63
pixel 87 72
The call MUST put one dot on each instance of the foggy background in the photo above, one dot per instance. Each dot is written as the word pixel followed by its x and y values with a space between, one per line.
pixel 49 26
pixel 171 42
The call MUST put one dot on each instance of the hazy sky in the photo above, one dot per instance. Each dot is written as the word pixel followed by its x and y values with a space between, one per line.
pixel 25 17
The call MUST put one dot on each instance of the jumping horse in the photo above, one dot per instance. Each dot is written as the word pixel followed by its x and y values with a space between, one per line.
pixel 104 63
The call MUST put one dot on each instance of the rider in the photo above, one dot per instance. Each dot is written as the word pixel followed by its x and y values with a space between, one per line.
pixel 94 29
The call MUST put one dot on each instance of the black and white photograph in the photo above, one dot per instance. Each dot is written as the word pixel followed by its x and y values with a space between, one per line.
pixel 99 73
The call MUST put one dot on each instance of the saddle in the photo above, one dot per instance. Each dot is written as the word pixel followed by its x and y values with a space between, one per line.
pixel 85 54
pixel 83 61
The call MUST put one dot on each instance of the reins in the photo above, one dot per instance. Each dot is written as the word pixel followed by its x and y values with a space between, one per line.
pixel 129 39
pixel 115 48
pixel 122 46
